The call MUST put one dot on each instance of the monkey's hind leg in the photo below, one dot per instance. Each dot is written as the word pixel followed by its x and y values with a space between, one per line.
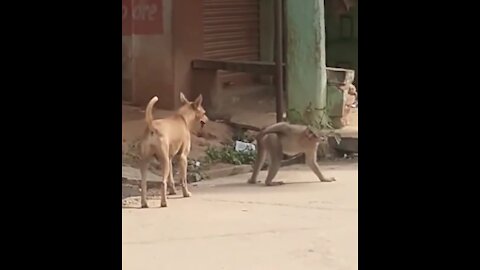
pixel 276 154
pixel 260 159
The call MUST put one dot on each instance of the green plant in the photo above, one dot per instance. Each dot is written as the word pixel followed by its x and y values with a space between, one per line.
pixel 228 154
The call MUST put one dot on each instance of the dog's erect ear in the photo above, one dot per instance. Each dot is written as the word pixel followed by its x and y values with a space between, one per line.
pixel 198 101
pixel 183 99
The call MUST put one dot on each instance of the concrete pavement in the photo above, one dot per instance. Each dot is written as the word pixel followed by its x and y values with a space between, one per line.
pixel 228 224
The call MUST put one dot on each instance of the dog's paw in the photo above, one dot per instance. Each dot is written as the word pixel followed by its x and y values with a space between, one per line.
pixel 172 192
pixel 187 194
pixel 144 205
pixel 329 179
pixel 163 204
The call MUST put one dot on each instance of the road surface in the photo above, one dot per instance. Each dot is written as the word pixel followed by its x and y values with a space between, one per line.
pixel 228 224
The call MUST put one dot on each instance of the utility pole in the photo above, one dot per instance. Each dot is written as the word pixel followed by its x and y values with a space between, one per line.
pixel 305 62
pixel 279 58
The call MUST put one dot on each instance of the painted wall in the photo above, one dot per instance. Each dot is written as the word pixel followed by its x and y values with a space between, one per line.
pixel 147 52
pixel 157 54
pixel 187 44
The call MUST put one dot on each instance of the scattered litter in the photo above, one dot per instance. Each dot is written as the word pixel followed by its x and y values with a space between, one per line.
pixel 243 146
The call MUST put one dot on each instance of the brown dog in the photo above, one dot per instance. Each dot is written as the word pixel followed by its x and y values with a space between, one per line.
pixel 166 138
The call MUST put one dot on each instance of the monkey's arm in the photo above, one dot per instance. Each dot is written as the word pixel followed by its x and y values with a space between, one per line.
pixel 311 160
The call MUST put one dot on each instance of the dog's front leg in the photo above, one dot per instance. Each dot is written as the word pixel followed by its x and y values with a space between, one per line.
pixel 183 162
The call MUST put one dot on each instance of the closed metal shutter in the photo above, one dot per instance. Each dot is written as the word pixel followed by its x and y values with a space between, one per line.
pixel 231 32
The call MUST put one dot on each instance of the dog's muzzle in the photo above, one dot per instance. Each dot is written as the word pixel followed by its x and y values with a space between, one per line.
pixel 202 123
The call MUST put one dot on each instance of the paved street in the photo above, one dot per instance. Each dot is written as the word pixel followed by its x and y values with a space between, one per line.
pixel 228 224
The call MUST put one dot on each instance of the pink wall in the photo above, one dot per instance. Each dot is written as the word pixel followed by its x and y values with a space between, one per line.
pixel 147 51
pixel 187 42
pixel 160 39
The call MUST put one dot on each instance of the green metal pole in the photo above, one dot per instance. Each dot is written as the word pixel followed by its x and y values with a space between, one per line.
pixel 305 62
pixel 279 58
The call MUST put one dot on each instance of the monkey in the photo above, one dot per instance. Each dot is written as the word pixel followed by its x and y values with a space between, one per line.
pixel 290 139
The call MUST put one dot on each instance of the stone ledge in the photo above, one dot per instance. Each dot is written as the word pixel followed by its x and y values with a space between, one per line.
pixel 222 172
pixel 340 75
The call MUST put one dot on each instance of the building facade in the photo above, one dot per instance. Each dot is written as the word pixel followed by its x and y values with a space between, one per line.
pixel 160 38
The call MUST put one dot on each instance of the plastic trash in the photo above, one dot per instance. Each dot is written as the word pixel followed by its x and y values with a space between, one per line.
pixel 243 146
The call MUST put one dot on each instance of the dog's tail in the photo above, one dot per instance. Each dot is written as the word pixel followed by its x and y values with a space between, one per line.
pixel 148 112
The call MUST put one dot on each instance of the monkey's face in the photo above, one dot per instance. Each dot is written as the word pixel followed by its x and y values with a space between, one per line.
pixel 318 137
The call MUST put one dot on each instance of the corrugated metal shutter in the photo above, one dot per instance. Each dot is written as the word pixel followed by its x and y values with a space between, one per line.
pixel 231 32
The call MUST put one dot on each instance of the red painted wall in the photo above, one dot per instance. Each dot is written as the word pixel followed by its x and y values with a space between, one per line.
pixel 160 39
pixel 142 17
pixel 187 30
pixel 147 51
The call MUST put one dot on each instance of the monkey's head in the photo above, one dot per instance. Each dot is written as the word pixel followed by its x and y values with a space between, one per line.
pixel 314 136
pixel 321 136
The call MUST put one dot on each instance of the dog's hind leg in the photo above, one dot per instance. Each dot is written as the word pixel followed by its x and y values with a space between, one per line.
pixel 146 155
pixel 143 172
pixel 163 158
pixel 276 155
pixel 171 182
pixel 183 162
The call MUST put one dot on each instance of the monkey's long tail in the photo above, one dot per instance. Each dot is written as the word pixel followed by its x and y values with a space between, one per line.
pixel 275 128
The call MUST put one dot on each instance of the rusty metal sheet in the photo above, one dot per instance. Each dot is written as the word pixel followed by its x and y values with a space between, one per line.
pixel 231 32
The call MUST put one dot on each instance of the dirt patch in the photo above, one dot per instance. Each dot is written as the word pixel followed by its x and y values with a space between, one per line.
pixel 213 134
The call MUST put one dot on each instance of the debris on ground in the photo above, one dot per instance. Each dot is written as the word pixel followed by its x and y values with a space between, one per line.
pixel 228 154
pixel 243 146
